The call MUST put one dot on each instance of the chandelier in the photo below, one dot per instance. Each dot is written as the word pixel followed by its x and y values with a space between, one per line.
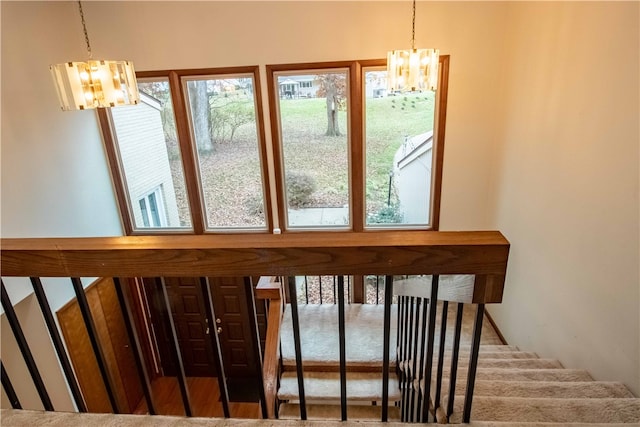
pixel 413 69
pixel 94 83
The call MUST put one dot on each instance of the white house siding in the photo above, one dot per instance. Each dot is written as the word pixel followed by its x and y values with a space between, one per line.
pixel 144 157
pixel 413 178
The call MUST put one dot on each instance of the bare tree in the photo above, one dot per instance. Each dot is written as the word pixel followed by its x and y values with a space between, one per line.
pixel 333 87
pixel 200 114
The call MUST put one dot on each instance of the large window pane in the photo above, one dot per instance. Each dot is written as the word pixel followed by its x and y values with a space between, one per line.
pixel 314 136
pixel 399 153
pixel 150 159
pixel 222 112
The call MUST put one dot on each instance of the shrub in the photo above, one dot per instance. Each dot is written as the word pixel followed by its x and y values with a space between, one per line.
pixel 300 186
pixel 387 215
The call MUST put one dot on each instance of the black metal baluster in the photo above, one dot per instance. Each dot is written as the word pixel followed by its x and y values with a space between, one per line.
pixel 135 342
pixel 215 343
pixel 306 289
pixel 95 343
pixel 423 340
pixel 473 363
pixel 401 351
pixel 443 340
pixel 174 346
pixel 415 381
pixel 295 320
pixel 388 296
pixel 320 286
pixel 57 343
pixel 8 388
pixel 453 374
pixel 24 348
pixel 255 340
pixel 335 300
pixel 408 352
pixel 433 304
pixel 343 351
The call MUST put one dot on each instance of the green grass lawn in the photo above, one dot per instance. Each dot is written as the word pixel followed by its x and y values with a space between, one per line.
pixel 388 121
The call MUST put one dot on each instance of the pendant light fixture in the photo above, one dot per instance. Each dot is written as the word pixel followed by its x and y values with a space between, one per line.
pixel 414 69
pixel 94 83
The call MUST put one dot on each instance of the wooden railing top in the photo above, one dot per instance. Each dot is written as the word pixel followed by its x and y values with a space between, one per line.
pixel 310 253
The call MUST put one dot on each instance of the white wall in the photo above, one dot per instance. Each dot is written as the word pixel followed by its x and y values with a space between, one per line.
pixel 37 336
pixel 55 181
pixel 567 186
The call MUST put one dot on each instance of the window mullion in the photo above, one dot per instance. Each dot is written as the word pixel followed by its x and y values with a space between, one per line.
pixel 188 155
pixel 356 163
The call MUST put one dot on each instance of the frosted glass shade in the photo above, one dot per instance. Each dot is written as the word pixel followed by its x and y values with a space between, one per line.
pixel 92 84
pixel 412 70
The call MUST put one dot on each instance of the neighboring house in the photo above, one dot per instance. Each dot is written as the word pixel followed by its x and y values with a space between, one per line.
pixel 376 86
pixel 144 157
pixel 305 86
pixel 412 173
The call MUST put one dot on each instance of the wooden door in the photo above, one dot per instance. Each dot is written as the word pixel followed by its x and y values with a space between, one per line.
pixel 232 311
pixel 192 327
pixel 113 338
pixel 232 321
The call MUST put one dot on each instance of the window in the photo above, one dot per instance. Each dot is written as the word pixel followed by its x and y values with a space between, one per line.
pixel 147 155
pixel 152 209
pixel 398 153
pixel 314 150
pixel 355 157
pixel 224 129
pixel 347 155
pixel 207 156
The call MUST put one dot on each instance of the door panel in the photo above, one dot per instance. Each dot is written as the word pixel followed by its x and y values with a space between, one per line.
pixel 114 341
pixel 192 326
pixel 230 304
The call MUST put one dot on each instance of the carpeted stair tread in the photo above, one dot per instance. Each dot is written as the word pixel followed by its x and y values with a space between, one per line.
pixel 495 355
pixel 546 389
pixel 500 364
pixel 518 424
pixel 361 386
pixel 498 374
pixel 608 410
pixel 319 335
pixel 291 411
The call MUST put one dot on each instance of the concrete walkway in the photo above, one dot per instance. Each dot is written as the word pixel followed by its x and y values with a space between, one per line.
pixel 311 217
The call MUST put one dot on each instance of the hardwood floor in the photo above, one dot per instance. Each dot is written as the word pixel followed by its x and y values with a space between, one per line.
pixel 204 396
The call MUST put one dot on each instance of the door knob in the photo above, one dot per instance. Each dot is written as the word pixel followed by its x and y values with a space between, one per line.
pixel 218 321
pixel 219 330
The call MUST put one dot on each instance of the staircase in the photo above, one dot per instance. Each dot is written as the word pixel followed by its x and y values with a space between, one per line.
pixel 512 386
pixel 321 362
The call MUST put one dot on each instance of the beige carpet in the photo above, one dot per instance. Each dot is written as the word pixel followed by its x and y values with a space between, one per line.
pixel 565 410
pixel 319 335
pixel 362 386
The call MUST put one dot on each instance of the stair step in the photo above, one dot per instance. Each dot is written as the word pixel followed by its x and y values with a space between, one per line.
pixel 291 411
pixel 544 389
pixel 608 410
pixel 494 355
pixel 326 386
pixel 319 336
pixel 498 374
pixel 499 363
pixel 542 424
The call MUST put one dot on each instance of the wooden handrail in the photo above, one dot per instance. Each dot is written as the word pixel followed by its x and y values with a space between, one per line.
pixel 271 360
pixel 383 252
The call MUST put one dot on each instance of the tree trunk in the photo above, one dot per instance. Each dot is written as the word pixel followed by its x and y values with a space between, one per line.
pixel 332 110
pixel 200 115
